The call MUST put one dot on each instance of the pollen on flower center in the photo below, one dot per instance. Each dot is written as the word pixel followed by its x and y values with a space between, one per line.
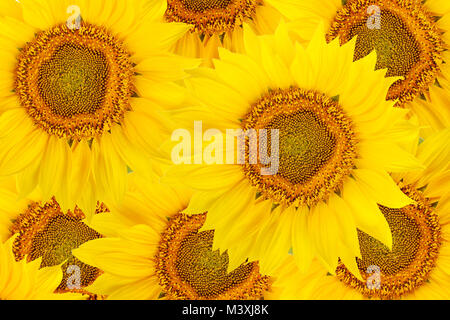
pixel 203 5
pixel 75 84
pixel 44 231
pixel 73 81
pixel 211 16
pixel 188 268
pixel 304 138
pixel 416 241
pixel 405 38
pixel 317 145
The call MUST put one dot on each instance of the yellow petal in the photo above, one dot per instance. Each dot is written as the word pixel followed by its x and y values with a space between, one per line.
pixel 367 215
pixel 301 242
pixel 382 188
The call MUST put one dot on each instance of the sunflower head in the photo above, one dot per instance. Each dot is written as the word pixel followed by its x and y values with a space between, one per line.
pixel 188 268
pixel 75 84
pixel 82 101
pixel 405 36
pixel 46 233
pixel 210 17
pixel 416 234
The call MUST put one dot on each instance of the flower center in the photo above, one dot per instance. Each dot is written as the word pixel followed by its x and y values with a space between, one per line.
pixel 75 84
pixel 211 16
pixel 73 80
pixel 404 36
pixel 203 5
pixel 316 145
pixel 44 231
pixel 416 241
pixel 188 268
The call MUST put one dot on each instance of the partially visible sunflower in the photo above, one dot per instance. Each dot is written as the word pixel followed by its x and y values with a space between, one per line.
pixel 27 281
pixel 411 39
pixel 418 266
pixel 338 138
pixel 43 232
pixel 154 251
pixel 80 105
pixel 216 23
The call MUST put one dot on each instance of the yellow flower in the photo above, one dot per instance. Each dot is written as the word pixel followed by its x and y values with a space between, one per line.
pixel 418 266
pixel 26 281
pixel 43 232
pixel 153 251
pixel 338 138
pixel 410 38
pixel 82 98
pixel 216 24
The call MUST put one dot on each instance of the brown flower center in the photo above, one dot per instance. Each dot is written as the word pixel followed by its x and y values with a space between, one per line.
pixel 316 146
pixel 188 268
pixel 211 16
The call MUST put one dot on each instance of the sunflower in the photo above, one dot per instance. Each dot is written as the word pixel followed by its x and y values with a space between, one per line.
pixel 418 266
pixel 154 251
pixel 411 39
pixel 42 231
pixel 337 139
pixel 26 281
pixel 82 96
pixel 216 23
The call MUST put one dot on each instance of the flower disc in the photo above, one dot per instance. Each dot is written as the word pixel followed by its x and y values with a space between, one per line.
pixel 188 268
pixel 404 36
pixel 416 241
pixel 75 84
pixel 316 145
pixel 48 233
pixel 211 16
